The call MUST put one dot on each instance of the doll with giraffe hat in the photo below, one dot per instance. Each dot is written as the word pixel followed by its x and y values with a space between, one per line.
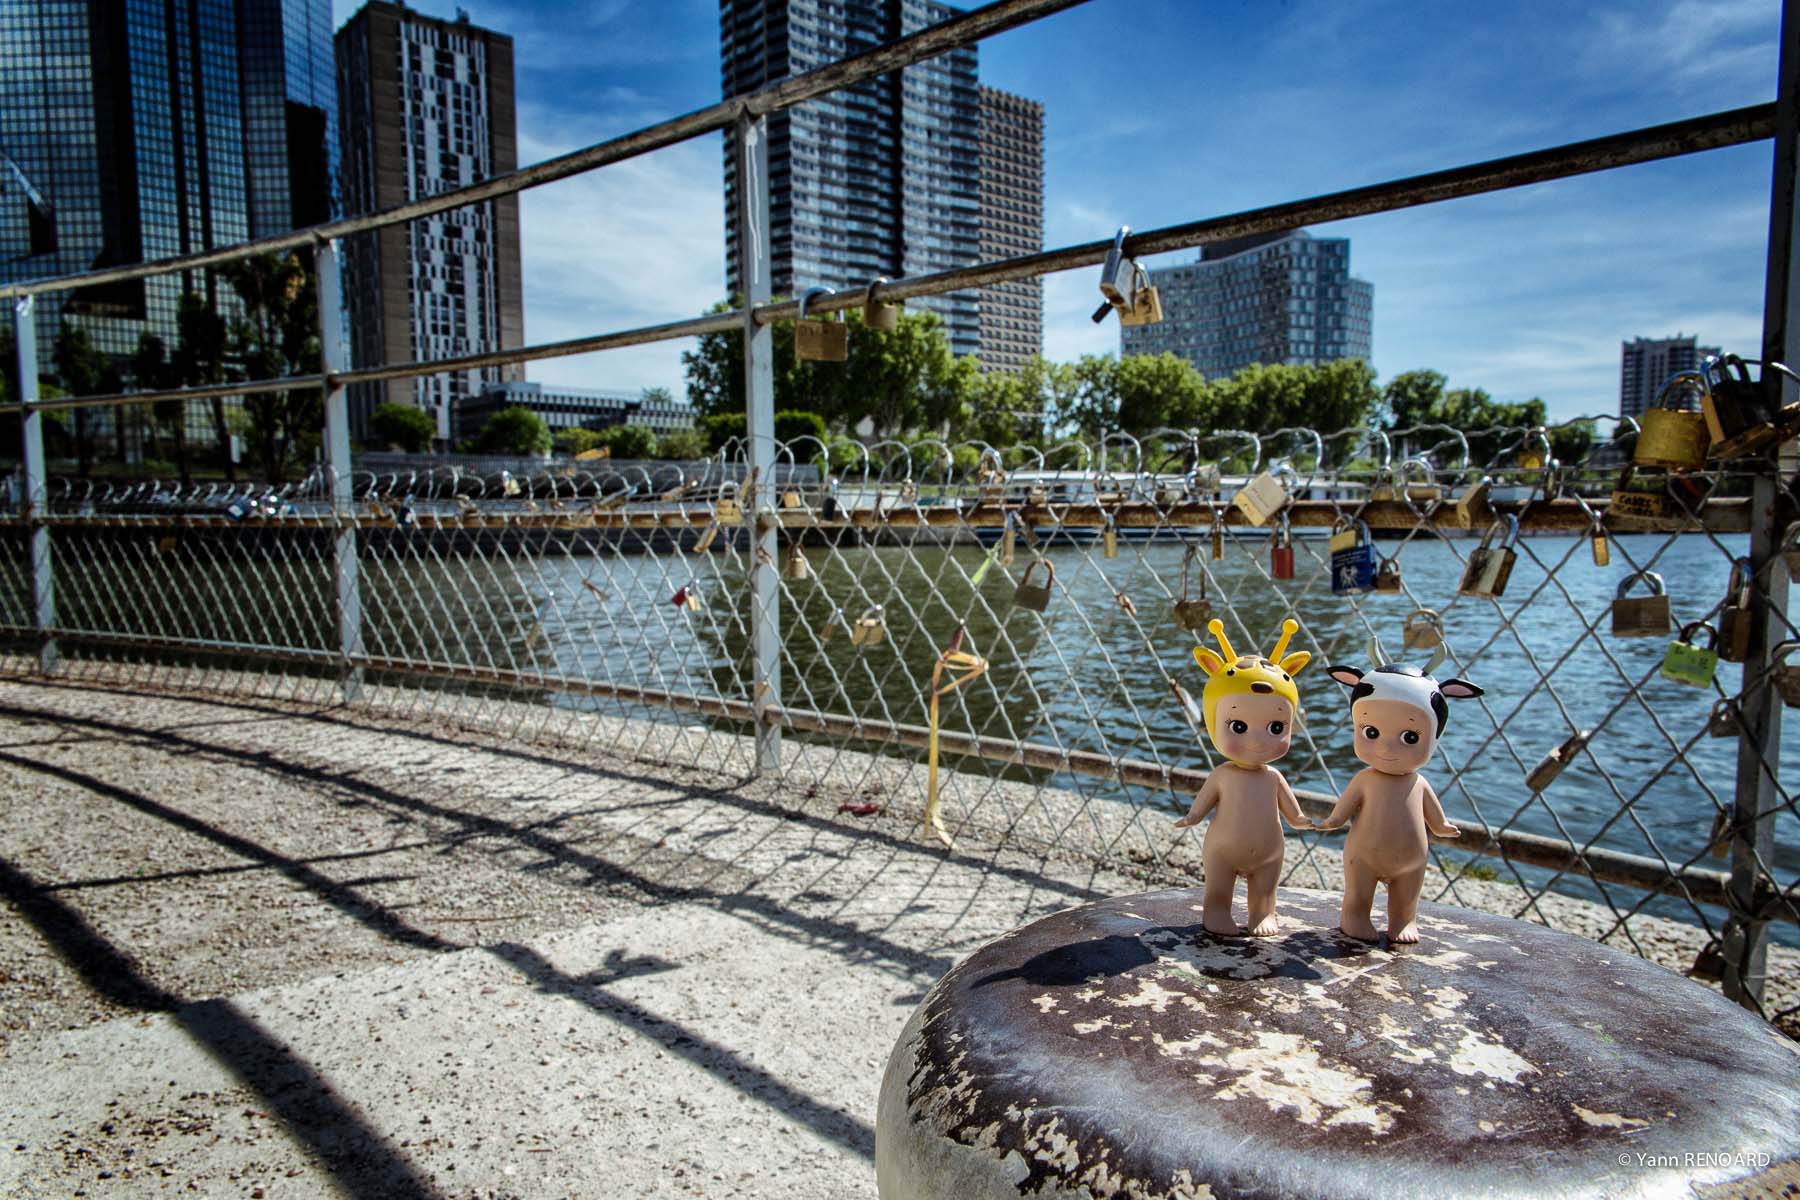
pixel 1249 706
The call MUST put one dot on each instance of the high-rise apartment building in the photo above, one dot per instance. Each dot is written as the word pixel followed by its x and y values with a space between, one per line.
pixel 1012 223
pixel 1274 298
pixel 1645 364
pixel 144 129
pixel 426 106
pixel 884 178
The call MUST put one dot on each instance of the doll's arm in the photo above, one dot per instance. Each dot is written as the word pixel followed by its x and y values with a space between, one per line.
pixel 1204 799
pixel 1289 805
pixel 1435 820
pixel 1346 806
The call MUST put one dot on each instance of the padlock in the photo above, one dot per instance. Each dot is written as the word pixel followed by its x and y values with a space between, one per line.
pixel 1787 679
pixel 1127 287
pixel 1490 566
pixel 1035 596
pixel 1192 612
pixel 1718 845
pixel 1641 616
pixel 1670 434
pixel 1352 559
pixel 1387 576
pixel 706 537
pixel 1734 620
pixel 1472 509
pixel 1424 629
pixel 1601 546
pixel 820 341
pixel 1687 663
pixel 1126 604
pixel 1261 498
pixel 727 512
pixel 828 631
pixel 1218 535
pixel 1281 551
pixel 797 567
pixel 877 315
pixel 1109 539
pixel 1723 721
pixel 1007 543
pixel 1640 494
pixel 1553 763
pixel 686 597
pixel 869 628
pixel 790 497
pixel 240 508
pixel 1146 301
pixel 1790 550
pixel 1738 417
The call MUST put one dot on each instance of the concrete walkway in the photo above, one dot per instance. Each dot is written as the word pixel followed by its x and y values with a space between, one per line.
pixel 264 950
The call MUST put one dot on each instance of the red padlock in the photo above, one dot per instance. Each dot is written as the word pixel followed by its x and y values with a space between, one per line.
pixel 1281 551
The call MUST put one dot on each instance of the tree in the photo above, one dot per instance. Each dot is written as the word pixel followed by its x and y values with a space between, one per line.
pixel 151 371
pixel 404 427
pixel 200 359
pixel 1412 398
pixel 628 441
pixel 514 430
pixel 277 335
pixel 656 395
pixel 682 445
pixel 83 371
pixel 791 426
pixel 575 440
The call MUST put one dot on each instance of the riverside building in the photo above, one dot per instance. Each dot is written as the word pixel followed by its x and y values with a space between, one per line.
pixel 1645 364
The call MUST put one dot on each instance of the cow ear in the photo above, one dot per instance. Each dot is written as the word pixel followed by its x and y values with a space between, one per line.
pixel 1348 676
pixel 1460 689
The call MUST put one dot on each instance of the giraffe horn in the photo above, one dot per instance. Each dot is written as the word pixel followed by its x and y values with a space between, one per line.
pixel 1289 627
pixel 1216 627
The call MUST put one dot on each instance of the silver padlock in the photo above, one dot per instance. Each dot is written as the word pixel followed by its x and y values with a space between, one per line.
pixel 869 629
pixel 820 341
pixel 879 316
pixel 1641 616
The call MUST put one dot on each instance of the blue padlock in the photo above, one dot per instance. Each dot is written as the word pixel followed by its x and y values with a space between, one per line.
pixel 1352 559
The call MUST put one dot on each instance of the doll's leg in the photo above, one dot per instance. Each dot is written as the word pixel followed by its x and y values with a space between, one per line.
pixel 1216 903
pixel 1403 905
pixel 1359 897
pixel 1260 885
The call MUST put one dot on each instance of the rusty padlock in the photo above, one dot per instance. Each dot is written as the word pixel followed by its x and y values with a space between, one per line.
pixel 1722 721
pixel 1035 596
pixel 1641 616
pixel 1490 566
pixel 1671 433
pixel 1424 629
pixel 877 315
pixel 1734 620
pixel 1553 763
pixel 1739 418
pixel 1787 679
pixel 869 628
pixel 820 341
pixel 1192 612
pixel 1281 550
pixel 797 567
pixel 1387 575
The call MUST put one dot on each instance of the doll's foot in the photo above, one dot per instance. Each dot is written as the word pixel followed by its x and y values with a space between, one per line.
pixel 1269 926
pixel 1360 928
pixel 1223 928
pixel 1406 934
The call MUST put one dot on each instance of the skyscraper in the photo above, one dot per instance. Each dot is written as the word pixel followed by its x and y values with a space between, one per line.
pixel 1012 223
pixel 1645 364
pixel 884 178
pixel 426 106
pixel 1273 298
pixel 142 129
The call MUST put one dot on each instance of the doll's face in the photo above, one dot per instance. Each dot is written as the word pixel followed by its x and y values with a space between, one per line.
pixel 1392 736
pixel 1254 730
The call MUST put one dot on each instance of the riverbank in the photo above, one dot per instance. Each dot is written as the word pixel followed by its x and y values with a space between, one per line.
pixel 484 949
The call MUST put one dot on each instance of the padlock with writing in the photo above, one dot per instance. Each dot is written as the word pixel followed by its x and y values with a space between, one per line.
pixel 1641 495
pixel 797 567
pixel 1490 566
pixel 1472 510
pixel 1672 432
pixel 1687 663
pixel 1553 763
pixel 1641 616
pixel 1035 596
pixel 1192 611
pixel 879 315
pixel 819 340
pixel 1352 559
pixel 1723 721
pixel 1739 418
pixel 1387 575
pixel 869 629
pixel 1281 551
pixel 1424 629
pixel 1261 498
pixel 1787 679
pixel 1734 619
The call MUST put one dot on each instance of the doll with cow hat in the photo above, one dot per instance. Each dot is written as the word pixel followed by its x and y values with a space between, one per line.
pixel 1249 706
pixel 1398 713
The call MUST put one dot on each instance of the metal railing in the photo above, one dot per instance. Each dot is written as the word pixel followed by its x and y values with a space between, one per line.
pixel 501 597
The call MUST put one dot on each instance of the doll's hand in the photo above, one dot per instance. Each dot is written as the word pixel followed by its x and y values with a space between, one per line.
pixel 1328 826
pixel 1187 821
pixel 1448 831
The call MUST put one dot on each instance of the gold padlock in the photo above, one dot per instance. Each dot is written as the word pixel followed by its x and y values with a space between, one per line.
pixel 1640 495
pixel 1490 566
pixel 820 341
pixel 1739 418
pixel 877 315
pixel 797 566
pixel 706 537
pixel 1424 629
pixel 1146 302
pixel 1261 498
pixel 1192 612
pixel 1008 541
pixel 1641 616
pixel 1035 596
pixel 1671 434
pixel 1602 547
pixel 1734 619
pixel 1387 575
pixel 1472 509
pixel 790 497
pixel 869 628
pixel 1109 539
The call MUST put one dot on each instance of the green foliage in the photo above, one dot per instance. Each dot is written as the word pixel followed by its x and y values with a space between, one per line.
pixel 628 441
pixel 404 427
pixel 575 440
pixel 657 395
pixel 514 430
pixel 682 445
pixel 278 335
pixel 791 426
pixel 720 428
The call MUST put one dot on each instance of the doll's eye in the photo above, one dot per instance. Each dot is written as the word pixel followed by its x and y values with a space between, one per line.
pixel 1370 732
pixel 1237 727
pixel 1276 728
pixel 1410 737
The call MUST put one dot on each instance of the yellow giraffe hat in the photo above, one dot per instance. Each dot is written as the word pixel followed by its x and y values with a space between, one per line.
pixel 1232 675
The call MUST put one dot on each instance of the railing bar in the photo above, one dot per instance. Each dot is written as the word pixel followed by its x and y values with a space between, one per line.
pixel 249 387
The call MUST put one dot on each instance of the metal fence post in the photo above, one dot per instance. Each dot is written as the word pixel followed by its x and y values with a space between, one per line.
pixel 1745 945
pixel 759 415
pixel 37 491
pixel 337 457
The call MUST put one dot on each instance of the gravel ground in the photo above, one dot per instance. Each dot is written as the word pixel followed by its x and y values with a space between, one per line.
pixel 500 943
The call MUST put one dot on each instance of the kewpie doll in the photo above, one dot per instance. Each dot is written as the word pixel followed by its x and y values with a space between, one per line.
pixel 1398 712
pixel 1249 706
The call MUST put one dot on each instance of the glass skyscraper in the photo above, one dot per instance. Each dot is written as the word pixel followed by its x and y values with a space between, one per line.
pixel 141 129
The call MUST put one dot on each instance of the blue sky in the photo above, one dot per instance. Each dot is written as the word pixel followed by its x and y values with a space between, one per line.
pixel 1164 111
